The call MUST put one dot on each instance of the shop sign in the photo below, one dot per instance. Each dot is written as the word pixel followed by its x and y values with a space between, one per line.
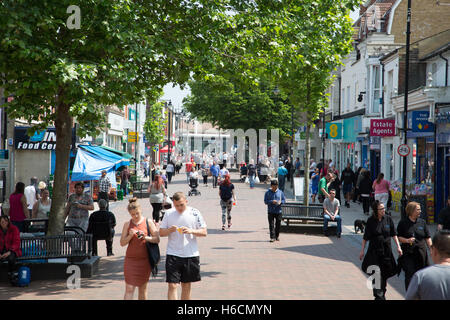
pixel 334 130
pixel 420 122
pixel 382 128
pixel 375 143
pixel 40 140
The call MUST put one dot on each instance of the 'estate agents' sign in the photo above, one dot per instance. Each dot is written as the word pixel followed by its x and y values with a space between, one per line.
pixel 382 128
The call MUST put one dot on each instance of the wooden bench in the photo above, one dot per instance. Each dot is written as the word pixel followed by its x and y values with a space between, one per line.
pixel 300 212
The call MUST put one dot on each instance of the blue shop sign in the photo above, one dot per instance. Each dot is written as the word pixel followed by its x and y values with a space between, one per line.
pixel 420 122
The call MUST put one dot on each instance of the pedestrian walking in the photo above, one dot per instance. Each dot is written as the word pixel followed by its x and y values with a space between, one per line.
pixel 157 196
pixel 336 183
pixel 331 207
pixel 282 173
pixel 18 207
pixel 77 208
pixel 444 216
pixel 315 177
pixel 365 190
pixel 183 225
pixel 170 170
pixel 227 195
pixel 214 169
pixel 381 188
pixel 414 236
pixel 323 187
pixel 348 176
pixel 124 176
pixel 433 283
pixel 205 173
pixel 378 232
pixel 357 179
pixel 274 198
pixel 288 166
pixel 101 226
pixel 223 172
pixel 137 267
pixel 104 188
pixel 31 194
pixel 252 173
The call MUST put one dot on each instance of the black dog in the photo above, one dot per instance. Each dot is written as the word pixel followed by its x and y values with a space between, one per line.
pixel 360 225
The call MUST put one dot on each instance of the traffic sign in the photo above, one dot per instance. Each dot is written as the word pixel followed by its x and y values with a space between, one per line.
pixel 403 150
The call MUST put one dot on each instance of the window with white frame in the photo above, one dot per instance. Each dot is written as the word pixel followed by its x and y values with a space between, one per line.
pixel 376 89
pixel 389 91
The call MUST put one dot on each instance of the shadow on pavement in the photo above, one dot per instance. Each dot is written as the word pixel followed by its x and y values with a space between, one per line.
pixel 220 231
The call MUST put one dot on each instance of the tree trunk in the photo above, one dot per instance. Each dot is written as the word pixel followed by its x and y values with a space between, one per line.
pixel 306 171
pixel 307 149
pixel 63 125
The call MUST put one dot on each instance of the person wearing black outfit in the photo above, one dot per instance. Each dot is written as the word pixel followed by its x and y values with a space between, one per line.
pixel 348 177
pixel 365 190
pixel 379 231
pixel 444 217
pixel 414 237
pixel 101 226
pixel 355 184
pixel 288 166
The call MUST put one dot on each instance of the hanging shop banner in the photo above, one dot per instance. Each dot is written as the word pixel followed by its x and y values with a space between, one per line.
pixel 40 140
pixel 420 122
pixel 334 130
pixel 382 128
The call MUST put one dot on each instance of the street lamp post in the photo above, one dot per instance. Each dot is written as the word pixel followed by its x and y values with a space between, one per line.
pixel 169 131
pixel 404 200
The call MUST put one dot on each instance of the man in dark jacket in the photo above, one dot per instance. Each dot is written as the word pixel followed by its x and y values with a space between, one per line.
pixel 274 198
pixel 444 217
pixel 101 226
pixel 348 176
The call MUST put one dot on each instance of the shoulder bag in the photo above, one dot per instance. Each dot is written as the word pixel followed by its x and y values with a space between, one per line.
pixel 154 255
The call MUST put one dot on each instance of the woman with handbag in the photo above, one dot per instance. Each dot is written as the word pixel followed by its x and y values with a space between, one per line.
pixel 135 234
pixel 378 232
pixel 157 196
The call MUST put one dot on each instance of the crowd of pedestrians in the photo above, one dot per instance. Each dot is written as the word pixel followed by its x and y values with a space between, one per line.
pixel 183 224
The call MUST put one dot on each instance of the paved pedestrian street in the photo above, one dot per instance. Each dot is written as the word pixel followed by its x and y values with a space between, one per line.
pixel 239 263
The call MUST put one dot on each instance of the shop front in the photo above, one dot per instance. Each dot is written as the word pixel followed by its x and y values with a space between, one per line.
pixel 442 155
pixel 421 186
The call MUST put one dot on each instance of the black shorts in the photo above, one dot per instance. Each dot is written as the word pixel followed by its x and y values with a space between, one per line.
pixel 182 269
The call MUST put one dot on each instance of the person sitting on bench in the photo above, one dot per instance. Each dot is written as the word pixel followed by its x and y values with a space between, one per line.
pixel 9 243
pixel 101 226
pixel 331 212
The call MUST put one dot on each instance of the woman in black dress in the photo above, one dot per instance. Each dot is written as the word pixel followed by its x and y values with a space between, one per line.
pixel 379 231
pixel 414 237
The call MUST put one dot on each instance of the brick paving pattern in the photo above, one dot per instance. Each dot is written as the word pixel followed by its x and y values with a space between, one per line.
pixel 239 263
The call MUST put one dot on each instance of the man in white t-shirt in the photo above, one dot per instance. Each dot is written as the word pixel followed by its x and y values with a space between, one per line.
pixel 182 225
pixel 30 194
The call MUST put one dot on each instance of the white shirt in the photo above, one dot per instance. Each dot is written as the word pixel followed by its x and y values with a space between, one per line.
pixel 223 172
pixel 30 194
pixel 183 245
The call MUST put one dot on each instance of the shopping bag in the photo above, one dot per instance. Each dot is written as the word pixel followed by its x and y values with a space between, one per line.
pixel 247 180
pixel 256 179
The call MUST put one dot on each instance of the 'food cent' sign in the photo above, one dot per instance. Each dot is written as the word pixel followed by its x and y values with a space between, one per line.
pixel 382 128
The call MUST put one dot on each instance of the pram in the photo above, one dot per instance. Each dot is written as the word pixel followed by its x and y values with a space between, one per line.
pixel 193 184
pixel 243 173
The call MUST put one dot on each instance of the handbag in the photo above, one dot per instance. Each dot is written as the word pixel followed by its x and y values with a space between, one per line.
pixel 154 255
pixel 167 204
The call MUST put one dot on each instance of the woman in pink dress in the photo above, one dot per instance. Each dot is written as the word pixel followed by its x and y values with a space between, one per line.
pixel 137 266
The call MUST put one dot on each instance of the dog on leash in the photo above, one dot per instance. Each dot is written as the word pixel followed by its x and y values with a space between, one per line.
pixel 360 225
